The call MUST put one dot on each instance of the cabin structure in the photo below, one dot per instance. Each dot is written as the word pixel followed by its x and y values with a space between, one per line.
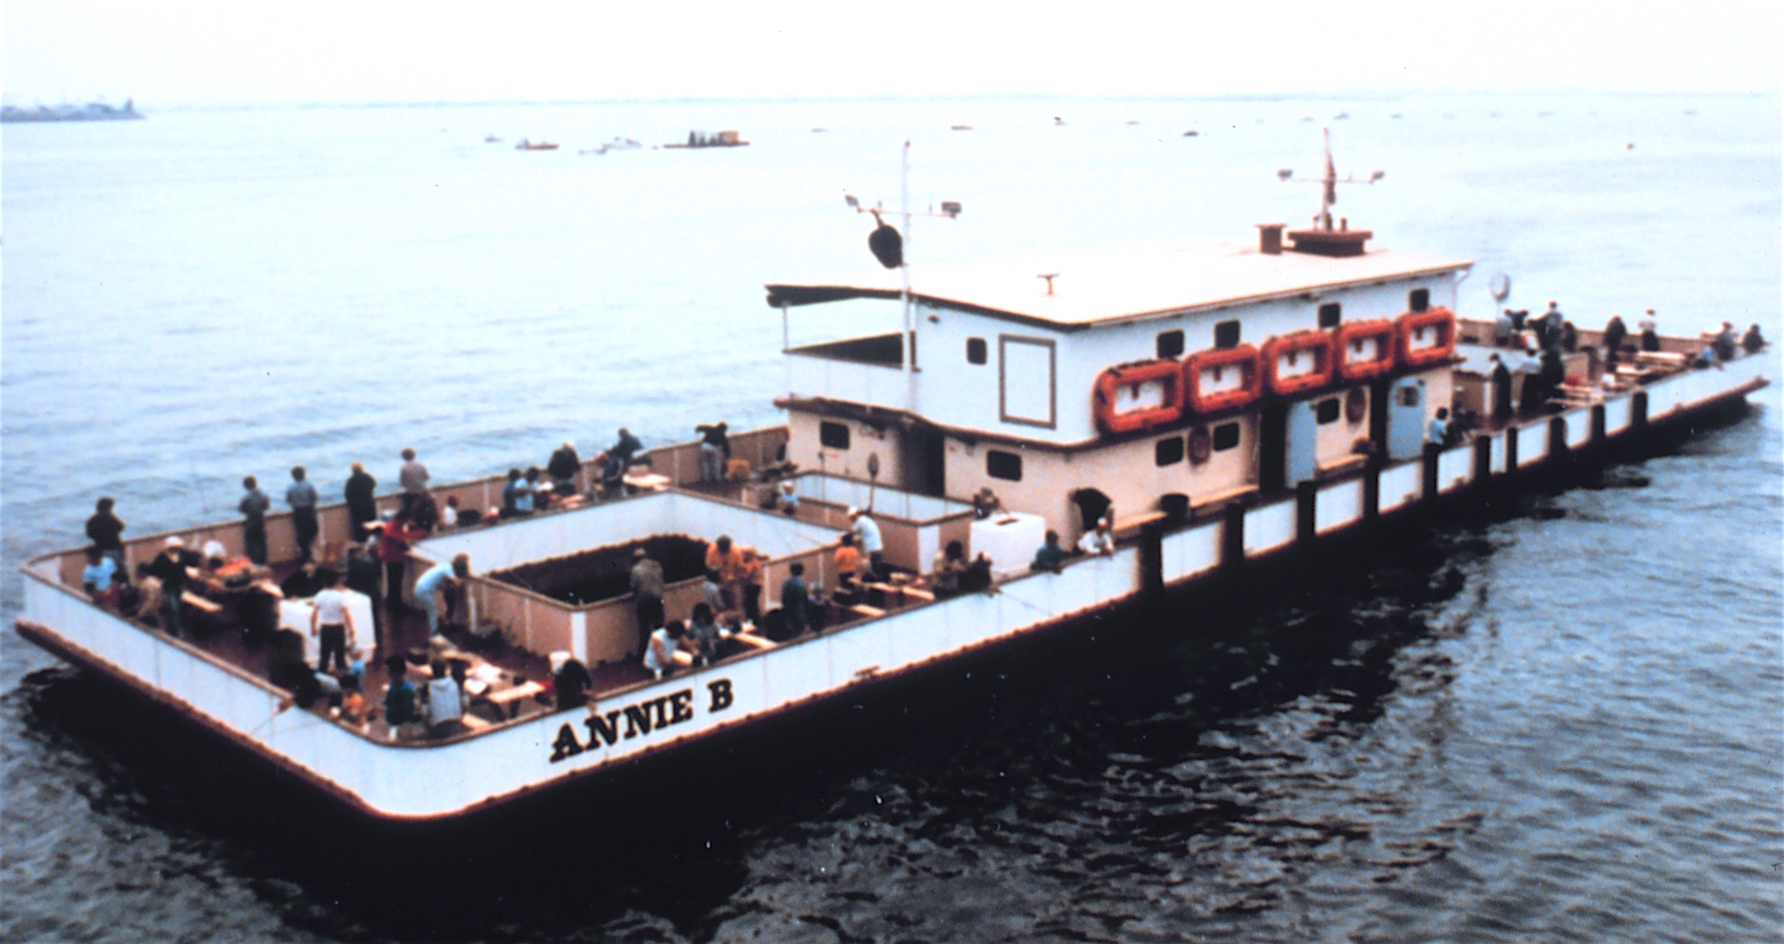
pixel 1162 380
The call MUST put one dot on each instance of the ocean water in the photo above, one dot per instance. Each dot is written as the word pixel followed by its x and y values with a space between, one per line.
pixel 1564 721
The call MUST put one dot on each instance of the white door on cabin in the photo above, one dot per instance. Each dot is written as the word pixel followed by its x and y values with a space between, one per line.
pixel 1026 381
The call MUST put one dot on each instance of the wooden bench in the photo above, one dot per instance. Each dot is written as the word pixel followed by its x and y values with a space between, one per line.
pixel 871 612
pixel 473 722
pixel 754 641
pixel 201 604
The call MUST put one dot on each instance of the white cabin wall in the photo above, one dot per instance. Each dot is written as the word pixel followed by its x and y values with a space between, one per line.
pixel 805 448
pixel 1127 472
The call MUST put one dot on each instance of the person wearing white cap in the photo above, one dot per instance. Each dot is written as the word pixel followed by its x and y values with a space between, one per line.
pixel 1098 540
pixel 1650 329
pixel 869 533
pixel 169 567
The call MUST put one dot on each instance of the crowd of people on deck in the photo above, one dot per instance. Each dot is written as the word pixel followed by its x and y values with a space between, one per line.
pixel 1540 345
pixel 372 563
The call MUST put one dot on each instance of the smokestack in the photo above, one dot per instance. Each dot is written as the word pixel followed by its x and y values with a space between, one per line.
pixel 1269 238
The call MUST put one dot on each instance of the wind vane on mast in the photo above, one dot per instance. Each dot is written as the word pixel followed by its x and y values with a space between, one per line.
pixel 1322 239
pixel 1330 182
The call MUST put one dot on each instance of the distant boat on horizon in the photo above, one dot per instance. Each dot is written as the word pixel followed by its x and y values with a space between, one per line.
pixel 92 111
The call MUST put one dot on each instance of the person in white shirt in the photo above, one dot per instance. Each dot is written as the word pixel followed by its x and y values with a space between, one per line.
pixel 331 620
pixel 871 544
pixel 1098 540
pixel 659 656
pixel 444 702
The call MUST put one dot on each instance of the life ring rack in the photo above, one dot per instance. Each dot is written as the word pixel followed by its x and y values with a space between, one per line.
pixel 1251 382
pixel 1412 324
pixel 1165 372
pixel 1317 344
pixel 1350 341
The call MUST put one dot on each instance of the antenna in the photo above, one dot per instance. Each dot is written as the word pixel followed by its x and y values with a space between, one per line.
pixel 1329 182
pixel 887 245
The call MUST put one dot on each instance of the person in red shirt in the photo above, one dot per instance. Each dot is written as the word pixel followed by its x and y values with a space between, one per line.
pixel 393 550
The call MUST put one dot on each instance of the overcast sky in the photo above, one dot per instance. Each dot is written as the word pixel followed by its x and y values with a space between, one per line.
pixel 176 53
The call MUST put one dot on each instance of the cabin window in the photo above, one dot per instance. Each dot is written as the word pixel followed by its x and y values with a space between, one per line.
pixel 1327 411
pixel 1003 465
pixel 1226 436
pixel 1170 344
pixel 1226 334
pixel 975 350
pixel 1169 451
pixel 1419 300
pixel 1330 314
pixel 833 435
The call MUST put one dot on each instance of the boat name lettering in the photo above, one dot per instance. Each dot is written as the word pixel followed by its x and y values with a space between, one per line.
pixel 640 718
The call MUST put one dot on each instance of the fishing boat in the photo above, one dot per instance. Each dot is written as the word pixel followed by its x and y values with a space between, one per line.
pixel 527 145
pixel 92 111
pixel 1211 407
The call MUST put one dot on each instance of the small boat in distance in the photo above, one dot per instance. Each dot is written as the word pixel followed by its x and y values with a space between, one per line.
pixel 700 139
pixel 960 128
pixel 526 145
pixel 492 139
pixel 92 111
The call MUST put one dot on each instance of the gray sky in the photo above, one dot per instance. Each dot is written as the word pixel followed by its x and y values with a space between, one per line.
pixel 182 53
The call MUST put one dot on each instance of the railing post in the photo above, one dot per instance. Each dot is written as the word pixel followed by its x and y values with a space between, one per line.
pixel 1306 511
pixel 1232 538
pixel 1152 559
pixel 1483 463
pixel 1558 450
pixel 1638 412
pixel 1511 451
pixel 1598 427
pixel 1371 489
pixel 1429 484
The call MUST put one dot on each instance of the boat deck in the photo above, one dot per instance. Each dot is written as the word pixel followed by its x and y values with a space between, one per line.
pixel 518 680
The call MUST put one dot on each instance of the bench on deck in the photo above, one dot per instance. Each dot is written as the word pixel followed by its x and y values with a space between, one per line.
pixel 201 604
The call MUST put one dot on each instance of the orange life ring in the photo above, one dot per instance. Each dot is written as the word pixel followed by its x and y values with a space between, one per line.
pixel 1412 326
pixel 1291 347
pixel 1242 358
pixel 1106 399
pixel 1200 446
pixel 1353 343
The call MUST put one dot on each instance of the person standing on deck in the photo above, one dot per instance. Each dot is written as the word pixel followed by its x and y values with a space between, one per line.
pixel 647 589
pixel 1501 390
pixel 444 577
pixel 1437 432
pixel 563 466
pixel 871 544
pixel 332 623
pixel 727 560
pixel 1614 334
pixel 715 451
pixel 795 601
pixel 413 474
pixel 1550 330
pixel 171 568
pixel 1502 329
pixel 253 508
pixel 362 508
pixel 107 533
pixel 1650 328
pixel 361 572
pixel 302 498
pixel 393 550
